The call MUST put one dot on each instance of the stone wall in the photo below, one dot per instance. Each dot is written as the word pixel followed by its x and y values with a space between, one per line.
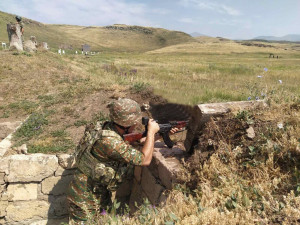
pixel 33 189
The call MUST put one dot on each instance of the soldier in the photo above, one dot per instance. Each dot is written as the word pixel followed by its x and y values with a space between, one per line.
pixel 107 160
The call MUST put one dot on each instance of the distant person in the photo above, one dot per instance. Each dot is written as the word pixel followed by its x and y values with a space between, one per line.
pixel 19 21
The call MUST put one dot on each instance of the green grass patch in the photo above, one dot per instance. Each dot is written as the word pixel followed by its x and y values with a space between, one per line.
pixel 140 86
pixel 32 127
pixel 79 123
pixel 60 146
pixel 25 105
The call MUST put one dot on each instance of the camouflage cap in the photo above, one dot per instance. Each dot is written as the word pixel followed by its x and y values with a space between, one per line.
pixel 125 112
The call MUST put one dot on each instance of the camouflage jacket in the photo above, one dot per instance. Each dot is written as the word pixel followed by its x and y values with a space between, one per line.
pixel 110 160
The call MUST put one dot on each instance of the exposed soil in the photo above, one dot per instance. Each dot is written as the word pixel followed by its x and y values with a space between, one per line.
pixel 227 135
pixel 85 109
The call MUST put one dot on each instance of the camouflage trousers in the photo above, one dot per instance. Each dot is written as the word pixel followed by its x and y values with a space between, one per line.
pixel 87 199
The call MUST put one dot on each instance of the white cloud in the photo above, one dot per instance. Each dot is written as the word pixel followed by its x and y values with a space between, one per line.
pixel 92 12
pixel 208 5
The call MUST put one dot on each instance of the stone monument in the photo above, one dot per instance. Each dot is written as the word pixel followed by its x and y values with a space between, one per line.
pixel 15 37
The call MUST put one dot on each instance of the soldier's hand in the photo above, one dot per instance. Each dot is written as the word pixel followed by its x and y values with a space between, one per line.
pixel 153 126
pixel 174 130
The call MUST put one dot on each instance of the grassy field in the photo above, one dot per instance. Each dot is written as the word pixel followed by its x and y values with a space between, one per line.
pixel 242 182
pixel 55 86
pixel 196 73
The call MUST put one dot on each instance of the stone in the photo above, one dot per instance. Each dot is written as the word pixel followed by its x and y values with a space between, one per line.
pixel 25 210
pixel 5 127
pixel 44 45
pixel 203 113
pixel 4 163
pixel 137 196
pixel 56 185
pixel 30 46
pixel 138 173
pixel 125 189
pixel 22 192
pixel 250 132
pixel 15 37
pixel 167 164
pixel 5 144
pixel 2 176
pixel 2 189
pixel 28 168
pixel 64 220
pixel 3 206
pixel 64 172
pixel 2 220
pixel 22 149
pixel 58 206
pixel 150 186
pixel 66 161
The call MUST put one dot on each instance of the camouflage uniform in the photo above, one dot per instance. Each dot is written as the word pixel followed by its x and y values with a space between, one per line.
pixel 91 191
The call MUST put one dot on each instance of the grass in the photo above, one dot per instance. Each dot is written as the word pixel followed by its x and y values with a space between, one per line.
pixel 253 183
pixel 240 183
pixel 191 73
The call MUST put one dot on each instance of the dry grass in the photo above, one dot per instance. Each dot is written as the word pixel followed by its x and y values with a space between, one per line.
pixel 237 185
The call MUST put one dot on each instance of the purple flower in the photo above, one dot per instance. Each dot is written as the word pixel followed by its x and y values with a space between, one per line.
pixel 249 98
pixel 256 98
pixel 103 212
pixel 266 69
pixel 36 128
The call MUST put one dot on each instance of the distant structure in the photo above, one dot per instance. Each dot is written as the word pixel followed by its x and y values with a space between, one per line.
pixel 31 44
pixel 3 45
pixel 85 48
pixel 44 45
pixel 15 37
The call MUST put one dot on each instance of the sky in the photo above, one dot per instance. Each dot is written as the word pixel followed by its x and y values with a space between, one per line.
pixel 234 19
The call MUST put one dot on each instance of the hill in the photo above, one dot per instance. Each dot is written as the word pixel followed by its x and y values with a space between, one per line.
pixel 196 34
pixel 117 37
pixel 289 37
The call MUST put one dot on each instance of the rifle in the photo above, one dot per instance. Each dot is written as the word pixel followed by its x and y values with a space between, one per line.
pixel 164 130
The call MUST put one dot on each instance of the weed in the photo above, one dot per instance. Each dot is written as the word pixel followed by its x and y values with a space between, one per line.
pixel 68 111
pixel 48 100
pixel 139 87
pixel 245 116
pixel 33 126
pixel 59 133
pixel 27 54
pixel 24 105
pixel 61 146
pixel 79 123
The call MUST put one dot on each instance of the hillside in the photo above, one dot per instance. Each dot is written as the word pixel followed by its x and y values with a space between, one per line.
pixel 289 37
pixel 113 38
